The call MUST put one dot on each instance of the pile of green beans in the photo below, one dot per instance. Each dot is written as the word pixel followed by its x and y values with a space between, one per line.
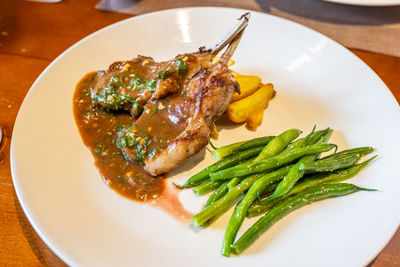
pixel 272 175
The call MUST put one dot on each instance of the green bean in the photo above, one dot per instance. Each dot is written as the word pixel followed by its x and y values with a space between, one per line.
pixel 288 205
pixel 270 163
pixel 222 164
pixel 241 209
pixel 260 141
pixel 274 147
pixel 293 176
pixel 329 164
pixel 224 151
pixel 295 173
pixel 206 187
pixel 222 190
pixel 261 184
pixel 224 203
pixel 278 144
pixel 310 139
pixel 262 206
pixel 360 151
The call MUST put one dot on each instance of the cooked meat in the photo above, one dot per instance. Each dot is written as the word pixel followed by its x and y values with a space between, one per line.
pixel 173 103
pixel 191 94
pixel 129 85
pixel 176 127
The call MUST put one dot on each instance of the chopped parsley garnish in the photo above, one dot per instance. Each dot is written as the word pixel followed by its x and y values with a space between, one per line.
pixel 121 179
pixel 164 74
pixel 98 150
pixel 108 95
pixel 182 69
pixel 122 142
pixel 115 80
pixel 118 127
pixel 151 85
pixel 139 143
pixel 137 108
pixel 153 111
pixel 112 94
pixel 136 83
pixel 184 92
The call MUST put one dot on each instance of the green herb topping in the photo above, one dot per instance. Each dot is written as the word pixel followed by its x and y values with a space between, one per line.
pixel 182 69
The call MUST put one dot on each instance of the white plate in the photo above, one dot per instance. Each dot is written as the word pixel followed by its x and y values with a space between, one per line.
pixel 318 82
pixel 366 2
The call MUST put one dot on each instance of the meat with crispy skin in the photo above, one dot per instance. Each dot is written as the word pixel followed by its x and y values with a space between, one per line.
pixel 174 103
pixel 129 85
pixel 177 126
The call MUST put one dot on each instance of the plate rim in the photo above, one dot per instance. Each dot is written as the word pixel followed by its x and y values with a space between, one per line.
pixel 369 4
pixel 18 190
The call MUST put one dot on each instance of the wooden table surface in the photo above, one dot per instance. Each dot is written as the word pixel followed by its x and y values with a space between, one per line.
pixel 31 36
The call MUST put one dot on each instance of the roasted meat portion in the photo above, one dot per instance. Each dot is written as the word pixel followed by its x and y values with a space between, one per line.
pixel 129 85
pixel 174 128
pixel 178 124
pixel 173 103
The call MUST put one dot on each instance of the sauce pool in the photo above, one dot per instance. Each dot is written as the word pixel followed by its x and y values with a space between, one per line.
pixel 99 131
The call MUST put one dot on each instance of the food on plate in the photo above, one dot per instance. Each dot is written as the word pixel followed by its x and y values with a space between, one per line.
pixel 248 85
pixel 255 119
pixel 249 108
pixel 217 58
pixel 283 174
pixel 141 114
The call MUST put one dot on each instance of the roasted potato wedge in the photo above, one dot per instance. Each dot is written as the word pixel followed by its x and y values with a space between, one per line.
pixel 240 110
pixel 255 119
pixel 248 85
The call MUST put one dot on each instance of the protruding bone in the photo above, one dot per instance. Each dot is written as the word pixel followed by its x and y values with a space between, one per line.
pixel 232 39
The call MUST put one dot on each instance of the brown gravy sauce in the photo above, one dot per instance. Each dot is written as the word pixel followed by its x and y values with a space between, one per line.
pixel 99 129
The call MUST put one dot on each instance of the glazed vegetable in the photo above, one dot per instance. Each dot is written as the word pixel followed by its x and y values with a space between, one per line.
pixel 274 147
pixel 223 163
pixel 359 151
pixel 221 191
pixel 278 144
pixel 262 206
pixel 296 173
pixel 261 185
pixel 270 163
pixel 240 146
pixel 281 168
pixel 241 209
pixel 288 205
pixel 328 165
pixel 224 151
pixel 206 187
pixel 227 201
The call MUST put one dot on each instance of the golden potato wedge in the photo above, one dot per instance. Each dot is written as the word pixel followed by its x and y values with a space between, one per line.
pixel 248 85
pixel 216 59
pixel 255 119
pixel 240 111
